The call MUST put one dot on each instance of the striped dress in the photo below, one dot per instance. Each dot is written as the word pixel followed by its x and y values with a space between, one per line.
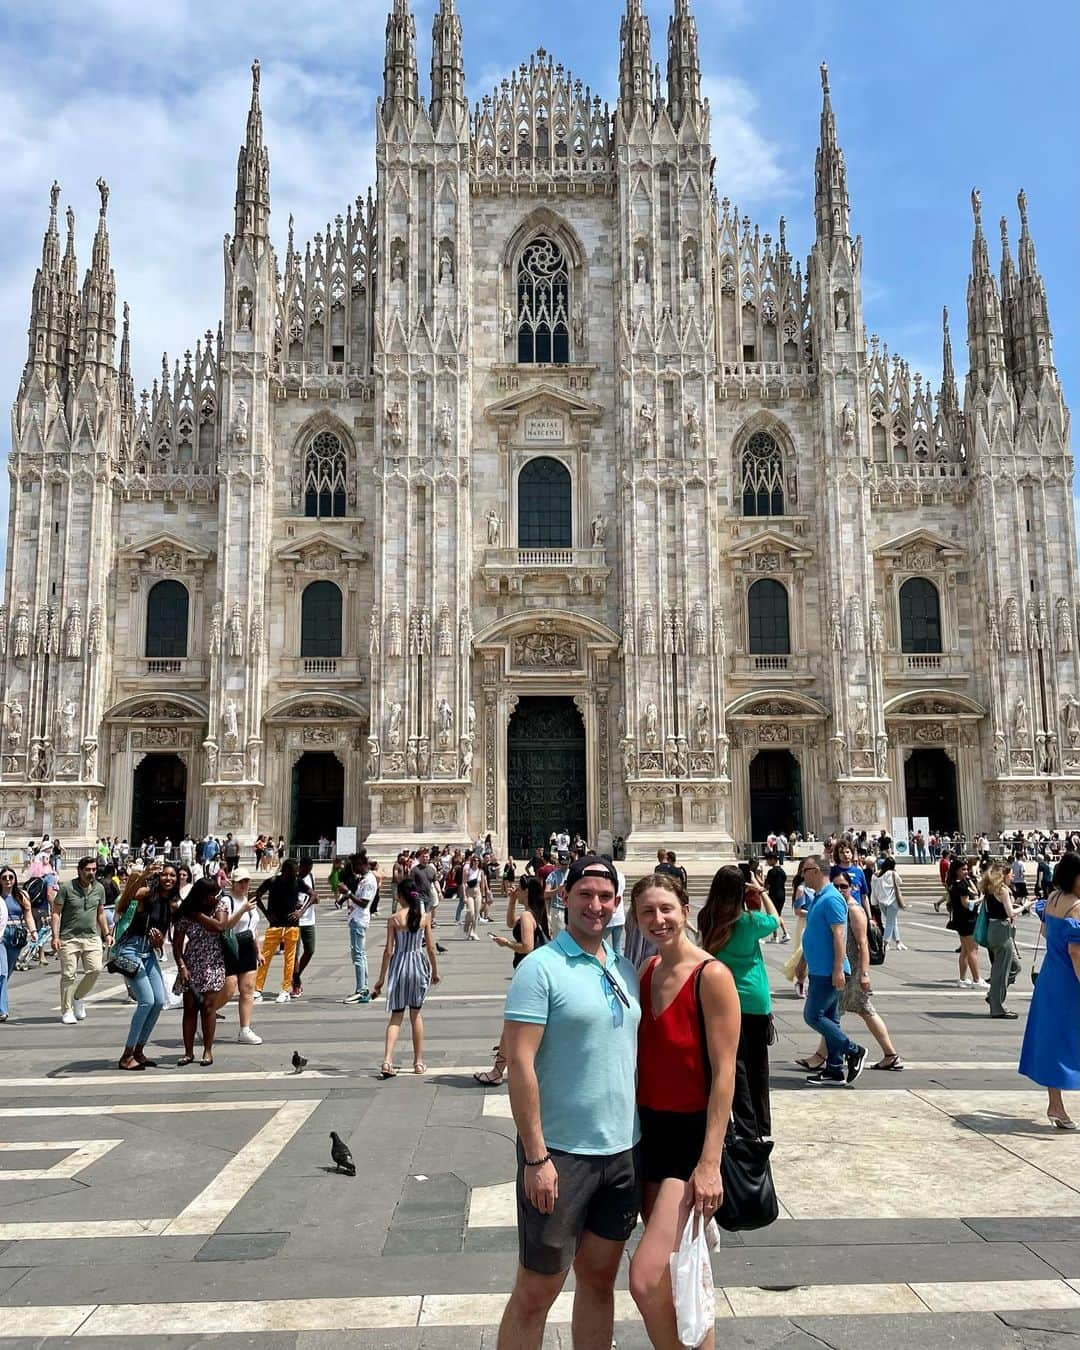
pixel 409 975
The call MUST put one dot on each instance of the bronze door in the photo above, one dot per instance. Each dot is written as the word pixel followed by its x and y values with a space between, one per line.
pixel 546 782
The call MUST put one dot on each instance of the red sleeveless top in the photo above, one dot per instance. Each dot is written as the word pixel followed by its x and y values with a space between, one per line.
pixel 671 1057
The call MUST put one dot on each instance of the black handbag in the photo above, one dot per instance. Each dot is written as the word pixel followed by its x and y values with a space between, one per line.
pixel 124 960
pixel 875 941
pixel 749 1194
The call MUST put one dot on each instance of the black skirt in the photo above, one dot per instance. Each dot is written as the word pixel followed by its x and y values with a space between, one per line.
pixel 671 1143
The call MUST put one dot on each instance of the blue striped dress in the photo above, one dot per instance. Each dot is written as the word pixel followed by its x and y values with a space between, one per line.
pixel 409 975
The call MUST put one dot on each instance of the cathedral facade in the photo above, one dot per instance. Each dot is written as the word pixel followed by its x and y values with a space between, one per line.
pixel 540 490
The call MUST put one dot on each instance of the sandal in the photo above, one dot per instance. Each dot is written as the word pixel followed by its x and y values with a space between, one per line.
pixel 489 1078
pixel 205 1063
pixel 1061 1122
pixel 419 1067
pixel 136 1067
pixel 893 1062
pixel 184 1060
pixel 387 1070
pixel 806 1063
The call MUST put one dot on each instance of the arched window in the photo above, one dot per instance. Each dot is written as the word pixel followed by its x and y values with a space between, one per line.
pixel 167 619
pixel 767 606
pixel 920 616
pixel 543 305
pixel 320 620
pixel 544 505
pixel 325 469
pixel 762 474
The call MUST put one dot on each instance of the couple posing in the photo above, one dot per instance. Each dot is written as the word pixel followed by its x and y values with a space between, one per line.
pixel 590 1052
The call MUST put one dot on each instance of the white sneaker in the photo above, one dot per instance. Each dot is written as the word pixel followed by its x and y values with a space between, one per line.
pixel 964 984
pixel 900 947
pixel 69 1019
pixel 79 1009
pixel 981 984
pixel 257 997
pixel 283 997
pixel 247 1037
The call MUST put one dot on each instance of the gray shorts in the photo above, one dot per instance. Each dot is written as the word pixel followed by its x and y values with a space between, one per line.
pixel 598 1194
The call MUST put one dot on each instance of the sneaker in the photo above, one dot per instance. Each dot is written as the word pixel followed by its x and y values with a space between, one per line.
pixel 283 997
pixel 483 920
pixel 78 1007
pixel 981 984
pixel 855 1061
pixel 257 996
pixel 297 993
pixel 900 947
pixel 965 984
pixel 354 998
pixel 365 997
pixel 247 1037
pixel 69 1019
pixel 785 937
pixel 827 1078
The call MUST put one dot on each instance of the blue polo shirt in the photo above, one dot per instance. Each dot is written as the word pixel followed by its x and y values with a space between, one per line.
pixel 586 1065
pixel 828 908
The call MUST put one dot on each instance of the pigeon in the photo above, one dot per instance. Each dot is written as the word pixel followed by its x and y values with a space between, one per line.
pixel 299 1063
pixel 340 1156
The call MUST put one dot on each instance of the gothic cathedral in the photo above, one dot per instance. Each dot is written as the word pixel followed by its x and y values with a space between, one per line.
pixel 542 490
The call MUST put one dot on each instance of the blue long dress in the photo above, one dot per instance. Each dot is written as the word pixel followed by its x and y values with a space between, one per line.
pixel 1050 1054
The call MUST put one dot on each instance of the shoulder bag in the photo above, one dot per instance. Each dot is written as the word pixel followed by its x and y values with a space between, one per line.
pixel 875 941
pixel 125 959
pixel 982 925
pixel 749 1194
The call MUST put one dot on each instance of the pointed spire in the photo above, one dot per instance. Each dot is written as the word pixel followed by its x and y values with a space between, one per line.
pixel 832 208
pixel 46 315
pixel 447 64
pixel 1009 298
pixel 986 336
pixel 948 395
pixel 1034 351
pixel 684 67
pixel 98 301
pixel 635 62
pixel 253 172
pixel 400 82
pixel 127 384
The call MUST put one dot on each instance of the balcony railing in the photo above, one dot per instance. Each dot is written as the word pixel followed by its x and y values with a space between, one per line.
pixel 165 665
pixel 332 669
pixel 584 569
pixel 923 665
pixel 320 665
pixel 779 665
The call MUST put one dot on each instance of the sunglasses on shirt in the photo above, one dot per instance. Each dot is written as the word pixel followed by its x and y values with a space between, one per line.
pixel 613 986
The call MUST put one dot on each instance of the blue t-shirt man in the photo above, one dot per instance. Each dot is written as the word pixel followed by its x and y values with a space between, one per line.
pixel 828 908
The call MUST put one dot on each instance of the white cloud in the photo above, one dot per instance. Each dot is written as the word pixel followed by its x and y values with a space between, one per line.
pixel 749 167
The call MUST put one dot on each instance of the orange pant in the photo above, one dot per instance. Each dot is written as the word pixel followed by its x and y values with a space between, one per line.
pixel 271 940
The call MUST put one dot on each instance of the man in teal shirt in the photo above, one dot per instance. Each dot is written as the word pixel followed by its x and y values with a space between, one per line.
pixel 570 1038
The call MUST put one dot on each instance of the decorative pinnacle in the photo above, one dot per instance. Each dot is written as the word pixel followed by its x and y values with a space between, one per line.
pixel 1004 232
pixel 824 78
pixel 54 197
pixel 1021 201
pixel 976 208
pixel 255 75
pixel 103 189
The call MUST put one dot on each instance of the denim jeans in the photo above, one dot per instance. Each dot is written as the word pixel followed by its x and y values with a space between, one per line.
pixel 149 990
pixel 9 954
pixel 358 950
pixel 821 1011
pixel 890 919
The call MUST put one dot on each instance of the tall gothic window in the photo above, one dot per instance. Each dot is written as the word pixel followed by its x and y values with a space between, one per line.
pixel 762 476
pixel 767 607
pixel 920 616
pixel 325 468
pixel 544 505
pixel 320 620
pixel 167 619
pixel 543 287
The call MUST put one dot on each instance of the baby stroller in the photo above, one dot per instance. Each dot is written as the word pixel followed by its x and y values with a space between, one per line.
pixel 33 954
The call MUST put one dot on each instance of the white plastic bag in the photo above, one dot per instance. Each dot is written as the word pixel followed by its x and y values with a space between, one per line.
pixel 692 1284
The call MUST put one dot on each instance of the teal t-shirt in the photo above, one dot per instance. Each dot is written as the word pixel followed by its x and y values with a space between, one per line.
pixel 586 1065
pixel 828 908
pixel 743 958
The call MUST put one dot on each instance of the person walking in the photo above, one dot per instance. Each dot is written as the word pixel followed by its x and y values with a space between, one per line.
pixel 80 934
pixel 473 882
pixel 200 956
pixel 737 916
pixel 1050 1054
pixel 687 1046
pixel 1000 938
pixel 282 913
pixel 246 931
pixel 143 937
pixel 409 966
pixel 887 894
pixel 963 905
pixel 309 897
pixel 824 946
pixel 20 928
pixel 570 1037
pixel 362 902
pixel 776 889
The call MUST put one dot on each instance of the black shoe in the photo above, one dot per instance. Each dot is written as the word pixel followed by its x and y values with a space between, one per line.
pixel 827 1078
pixel 440 949
pixel 1010 1015
pixel 855 1061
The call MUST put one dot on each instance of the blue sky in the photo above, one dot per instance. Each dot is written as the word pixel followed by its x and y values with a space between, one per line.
pixel 930 98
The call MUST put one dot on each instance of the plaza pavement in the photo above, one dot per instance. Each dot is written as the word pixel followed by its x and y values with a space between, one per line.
pixel 195 1207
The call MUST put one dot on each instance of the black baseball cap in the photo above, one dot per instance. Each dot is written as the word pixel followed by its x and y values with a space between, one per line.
pixel 593 864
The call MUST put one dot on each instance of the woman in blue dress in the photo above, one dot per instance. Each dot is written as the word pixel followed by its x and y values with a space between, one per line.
pixel 1051 1051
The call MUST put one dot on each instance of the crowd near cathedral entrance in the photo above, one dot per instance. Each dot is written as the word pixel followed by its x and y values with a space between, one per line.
pixel 543 489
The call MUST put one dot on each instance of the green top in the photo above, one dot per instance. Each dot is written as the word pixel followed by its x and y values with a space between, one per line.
pixel 78 908
pixel 743 958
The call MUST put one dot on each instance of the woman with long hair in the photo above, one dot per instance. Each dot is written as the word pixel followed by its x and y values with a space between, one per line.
pixel 152 902
pixel 19 928
pixel 963 902
pixel 1001 914
pixel 737 915
pixel 200 958
pixel 887 895
pixel 409 966
pixel 1051 1051
pixel 528 932
pixel 687 1043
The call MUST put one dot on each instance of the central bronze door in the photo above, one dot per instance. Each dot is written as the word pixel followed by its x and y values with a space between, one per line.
pixel 546 783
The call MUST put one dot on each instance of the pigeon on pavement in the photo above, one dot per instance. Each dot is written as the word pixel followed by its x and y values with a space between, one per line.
pixel 299 1063
pixel 340 1156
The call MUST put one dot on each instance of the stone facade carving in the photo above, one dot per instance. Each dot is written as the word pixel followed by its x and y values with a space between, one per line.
pixel 255 635
pixel 1020 719
pixel 393 631
pixel 856 634
pixel 1014 642
pixel 236 630
pixel 648 630
pixel 20 631
pixel 1064 628
pixel 836 629
pixel 73 633
pixel 445 632
pixel 544 649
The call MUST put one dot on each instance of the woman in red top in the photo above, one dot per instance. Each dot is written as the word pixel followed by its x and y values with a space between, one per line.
pixel 684 1092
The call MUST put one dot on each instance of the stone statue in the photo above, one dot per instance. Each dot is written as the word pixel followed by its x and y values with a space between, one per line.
pixel 41 633
pixel 410 760
pixel 393 423
pixel 855 624
pixel 509 322
pixel 465 632
pixel 599 530
pixel 641 266
pixel 629 759
pixel 494 525
pixel 881 755
pixel 253 760
pixel 693 425
pixel 41 762
pixel 847 424
pixel 651 723
pixel 877 631
pixel 53 630
pixel 836 629
pixel 393 726
pixel 1001 758
pixel 215 631
pixel 445 432
pixel 444 632
pixel 240 422
pixel 671 757
pixel 841 313
pixel 678 633
pixel 1070 714
pixel 374 639
pixel 445 715
pixel 73 635
pixel 15 723
pixel 397 261
pixel 446 266
pixel 425 633
pixel 1032 627
pixel 839 754
pixel 1020 719
pixel 423 758
pixel 373 757
pixel 1052 764
pixel 690 263
pixel 393 630
pixel 1013 639
pixel 465 765
pixel 682 758
pixel 697 629
pixel 1044 628
pixel 701 725
pixel 414 633
pixel 993 629
pixel 255 636
pixel 89 760
pixel 229 724
pixel 719 635
pixel 1064 628
pixel 243 314
pixel 723 746
pixel 860 720
pixel 628 632
pixel 471 718
pixel 68 714
pixel 20 631
pixel 236 630
pixel 211 759
pixel 93 633
pixel 646 425
pixel 578 322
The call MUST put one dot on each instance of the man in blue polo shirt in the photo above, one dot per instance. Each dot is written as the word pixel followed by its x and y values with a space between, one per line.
pixel 824 945
pixel 570 1038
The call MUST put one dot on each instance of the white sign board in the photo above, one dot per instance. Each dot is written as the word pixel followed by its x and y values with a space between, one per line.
pixel 921 823
pixel 900 837
pixel 543 428
pixel 345 843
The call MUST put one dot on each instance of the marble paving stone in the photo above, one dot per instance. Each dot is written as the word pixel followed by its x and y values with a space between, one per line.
pixel 933 1331
pixel 803 1301
pixel 1063 1256
pixel 868 1264
pixel 854 1232
pixel 241 1246
pixel 122 1320
pixel 996 1295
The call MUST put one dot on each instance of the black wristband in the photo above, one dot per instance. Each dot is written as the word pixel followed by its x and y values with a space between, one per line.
pixel 538 1162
